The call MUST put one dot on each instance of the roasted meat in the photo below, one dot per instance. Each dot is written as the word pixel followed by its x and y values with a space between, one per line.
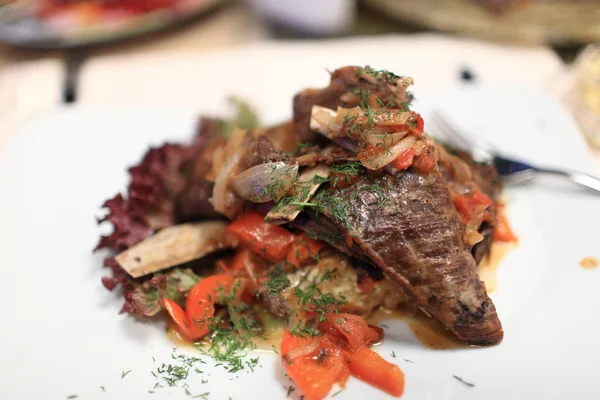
pixel 406 225
pixel 349 87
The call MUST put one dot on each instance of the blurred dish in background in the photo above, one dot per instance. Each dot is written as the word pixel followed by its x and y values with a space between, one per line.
pixel 308 17
pixel 74 23
pixel 521 21
pixel 584 98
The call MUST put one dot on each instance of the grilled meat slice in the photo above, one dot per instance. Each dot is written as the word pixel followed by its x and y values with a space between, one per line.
pixel 406 225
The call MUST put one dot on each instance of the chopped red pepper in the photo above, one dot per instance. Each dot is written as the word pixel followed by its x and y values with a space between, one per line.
pixel 178 315
pixel 404 160
pixel 366 284
pixel 316 371
pixel 304 250
pixel 353 328
pixel 200 303
pixel 469 205
pixel 267 240
pixel 417 128
pixel 424 162
pixel 370 367
pixel 503 231
pixel 342 349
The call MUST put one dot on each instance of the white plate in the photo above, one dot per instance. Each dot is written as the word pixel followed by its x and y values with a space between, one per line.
pixel 63 336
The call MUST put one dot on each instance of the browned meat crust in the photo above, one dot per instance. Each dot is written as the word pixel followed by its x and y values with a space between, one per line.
pixel 348 89
pixel 260 151
pixel 417 240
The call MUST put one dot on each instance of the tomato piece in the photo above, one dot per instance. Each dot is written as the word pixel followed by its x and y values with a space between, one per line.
pixel 352 327
pixel 341 180
pixel 419 127
pixel 178 315
pixel 370 367
pixel 425 162
pixel 366 284
pixel 200 303
pixel 267 240
pixel 503 231
pixel 237 264
pixel 316 371
pixel 404 160
pixel 469 205
pixel 304 250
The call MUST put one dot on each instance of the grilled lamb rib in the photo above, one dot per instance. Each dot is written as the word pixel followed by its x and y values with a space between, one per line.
pixel 405 224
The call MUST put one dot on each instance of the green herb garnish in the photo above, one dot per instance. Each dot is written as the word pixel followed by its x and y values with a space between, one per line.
pixel 458 378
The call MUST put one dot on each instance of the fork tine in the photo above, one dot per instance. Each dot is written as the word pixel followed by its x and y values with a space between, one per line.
pixel 455 136
pixel 481 150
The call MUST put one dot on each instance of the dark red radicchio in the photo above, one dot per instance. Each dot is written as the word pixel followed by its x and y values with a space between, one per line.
pixel 147 208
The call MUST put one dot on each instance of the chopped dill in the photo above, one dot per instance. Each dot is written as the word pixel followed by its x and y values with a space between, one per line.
pixel 124 373
pixel 370 116
pixel 290 390
pixel 458 378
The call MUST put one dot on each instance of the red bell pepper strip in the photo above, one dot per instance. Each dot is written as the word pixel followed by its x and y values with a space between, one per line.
pixel 353 328
pixel 304 250
pixel 370 367
pixel 267 240
pixel 200 303
pixel 178 315
pixel 468 205
pixel 314 372
pixel 404 160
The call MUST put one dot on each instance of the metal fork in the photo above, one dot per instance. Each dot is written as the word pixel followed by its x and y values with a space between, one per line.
pixel 512 171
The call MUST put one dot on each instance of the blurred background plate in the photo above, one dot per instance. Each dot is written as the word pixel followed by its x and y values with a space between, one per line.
pixel 59 24
pixel 522 21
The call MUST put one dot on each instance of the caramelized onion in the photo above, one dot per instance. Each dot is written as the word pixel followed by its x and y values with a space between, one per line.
pixel 222 198
pixel 387 139
pixel 324 121
pixel 390 154
pixel 265 182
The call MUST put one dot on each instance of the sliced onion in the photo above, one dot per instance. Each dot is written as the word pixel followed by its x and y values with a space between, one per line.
pixel 265 182
pixel 392 117
pixel 391 154
pixel 249 267
pixel 343 113
pixel 324 121
pixel 346 143
pixel 223 200
pixel 302 351
pixel 387 139
pixel 473 236
pixel 220 190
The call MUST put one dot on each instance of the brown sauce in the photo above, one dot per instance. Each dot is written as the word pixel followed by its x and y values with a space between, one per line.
pixel 428 331
pixel 488 269
pixel 270 340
